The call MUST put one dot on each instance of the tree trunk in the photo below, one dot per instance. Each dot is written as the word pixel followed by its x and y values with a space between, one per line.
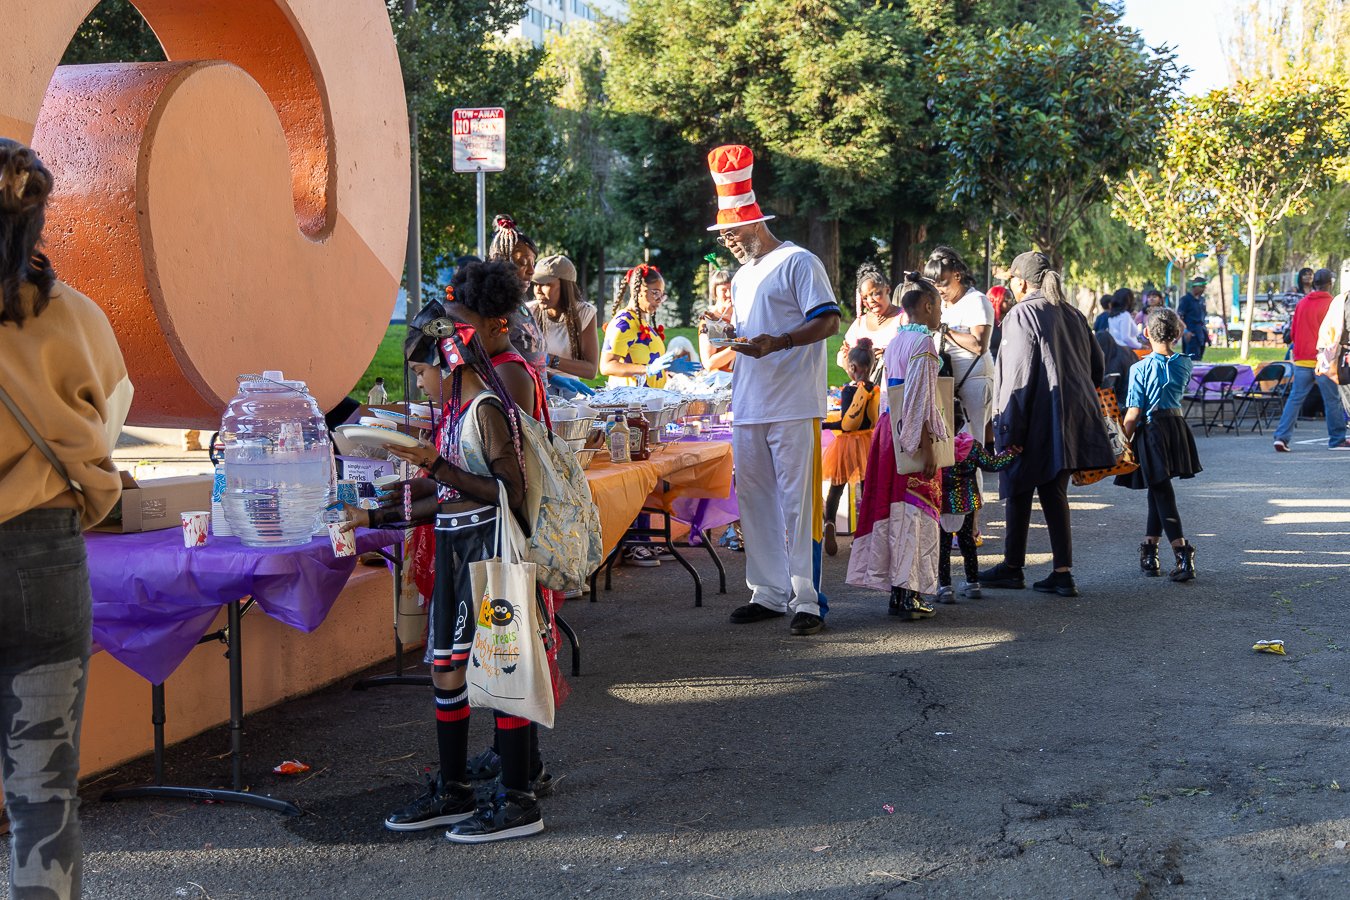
pixel 905 240
pixel 822 239
pixel 1250 313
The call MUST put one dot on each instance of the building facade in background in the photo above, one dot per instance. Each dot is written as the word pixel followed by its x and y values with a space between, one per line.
pixel 545 17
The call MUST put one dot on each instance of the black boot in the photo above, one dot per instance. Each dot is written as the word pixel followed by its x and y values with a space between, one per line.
pixel 1148 559
pixel 1185 569
pixel 911 605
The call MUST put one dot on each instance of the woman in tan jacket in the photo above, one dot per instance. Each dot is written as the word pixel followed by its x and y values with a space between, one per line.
pixel 64 397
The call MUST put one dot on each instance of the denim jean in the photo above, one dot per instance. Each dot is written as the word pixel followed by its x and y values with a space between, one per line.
pixel 1304 378
pixel 44 655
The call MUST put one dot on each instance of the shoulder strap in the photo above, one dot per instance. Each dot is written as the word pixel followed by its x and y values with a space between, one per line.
pixel 37 439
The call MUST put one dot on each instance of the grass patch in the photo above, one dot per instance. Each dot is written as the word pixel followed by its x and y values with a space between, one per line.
pixel 1227 355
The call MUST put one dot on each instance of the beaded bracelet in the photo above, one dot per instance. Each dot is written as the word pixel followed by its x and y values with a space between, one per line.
pixel 407 501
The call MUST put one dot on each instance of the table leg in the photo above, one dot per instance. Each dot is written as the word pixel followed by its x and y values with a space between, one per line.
pixel 395 560
pixel 576 644
pixel 717 561
pixel 231 636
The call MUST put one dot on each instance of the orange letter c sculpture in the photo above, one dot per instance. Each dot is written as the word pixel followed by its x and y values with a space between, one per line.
pixel 241 207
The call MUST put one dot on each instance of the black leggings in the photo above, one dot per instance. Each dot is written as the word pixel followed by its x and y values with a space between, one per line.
pixel 832 498
pixel 1055 506
pixel 1162 511
pixel 969 555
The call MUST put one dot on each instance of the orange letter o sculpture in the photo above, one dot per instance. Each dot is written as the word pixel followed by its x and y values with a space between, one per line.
pixel 241 207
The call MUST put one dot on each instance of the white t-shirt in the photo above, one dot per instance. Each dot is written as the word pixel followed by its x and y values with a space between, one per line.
pixel 556 340
pixel 776 293
pixel 972 310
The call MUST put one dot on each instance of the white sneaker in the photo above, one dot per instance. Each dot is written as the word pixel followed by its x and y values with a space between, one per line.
pixel 970 590
pixel 946 595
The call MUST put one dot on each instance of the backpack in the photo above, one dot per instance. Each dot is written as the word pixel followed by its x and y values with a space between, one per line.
pixel 565 539
pixel 564 524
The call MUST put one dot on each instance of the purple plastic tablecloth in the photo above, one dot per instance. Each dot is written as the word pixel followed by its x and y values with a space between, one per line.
pixel 1246 377
pixel 701 513
pixel 154 598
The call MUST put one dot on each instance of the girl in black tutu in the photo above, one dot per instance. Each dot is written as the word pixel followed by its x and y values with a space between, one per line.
pixel 1162 441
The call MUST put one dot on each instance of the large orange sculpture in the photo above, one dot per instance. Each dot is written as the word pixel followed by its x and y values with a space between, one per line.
pixel 241 207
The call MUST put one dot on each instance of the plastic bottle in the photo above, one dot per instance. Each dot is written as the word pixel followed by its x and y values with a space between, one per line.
pixel 619 439
pixel 278 462
pixel 639 433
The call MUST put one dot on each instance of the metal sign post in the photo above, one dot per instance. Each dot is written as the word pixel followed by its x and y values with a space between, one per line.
pixel 479 143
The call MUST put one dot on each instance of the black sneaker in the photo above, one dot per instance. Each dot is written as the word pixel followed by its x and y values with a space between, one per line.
pixel 442 804
pixel 753 612
pixel 806 623
pixel 541 785
pixel 485 766
pixel 1058 583
pixel 1003 576
pixel 507 814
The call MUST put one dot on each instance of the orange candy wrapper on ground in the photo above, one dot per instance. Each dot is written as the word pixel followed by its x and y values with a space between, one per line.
pixel 291 767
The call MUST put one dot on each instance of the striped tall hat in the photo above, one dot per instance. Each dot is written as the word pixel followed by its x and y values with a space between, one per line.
pixel 731 166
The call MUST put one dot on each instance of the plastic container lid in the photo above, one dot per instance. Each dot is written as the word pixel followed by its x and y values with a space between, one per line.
pixel 271 379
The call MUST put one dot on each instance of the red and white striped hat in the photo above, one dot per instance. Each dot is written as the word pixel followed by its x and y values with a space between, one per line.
pixel 731 166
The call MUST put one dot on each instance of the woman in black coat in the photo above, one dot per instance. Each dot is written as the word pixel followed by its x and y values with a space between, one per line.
pixel 1048 369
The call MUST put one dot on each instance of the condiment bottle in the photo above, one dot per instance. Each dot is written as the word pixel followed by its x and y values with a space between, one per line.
pixel 640 428
pixel 619 439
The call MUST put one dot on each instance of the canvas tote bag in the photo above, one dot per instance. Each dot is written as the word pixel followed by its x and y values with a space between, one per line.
pixel 508 665
pixel 944 450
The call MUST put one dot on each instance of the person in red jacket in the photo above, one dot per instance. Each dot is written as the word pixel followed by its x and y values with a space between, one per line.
pixel 1308 317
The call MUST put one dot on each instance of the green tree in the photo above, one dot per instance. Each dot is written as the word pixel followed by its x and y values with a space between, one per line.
pixel 584 221
pixel 452 57
pixel 113 32
pixel 1262 150
pixel 1176 216
pixel 1036 123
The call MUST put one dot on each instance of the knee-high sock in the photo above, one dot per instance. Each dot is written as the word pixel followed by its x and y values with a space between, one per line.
pixel 452 733
pixel 513 742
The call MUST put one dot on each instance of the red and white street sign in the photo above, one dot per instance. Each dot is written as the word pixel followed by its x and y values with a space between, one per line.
pixel 479 139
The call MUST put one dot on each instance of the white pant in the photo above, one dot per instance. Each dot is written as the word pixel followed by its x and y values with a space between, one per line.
pixel 778 488
pixel 977 399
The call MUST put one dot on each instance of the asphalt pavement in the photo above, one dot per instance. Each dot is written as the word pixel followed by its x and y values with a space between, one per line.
pixel 1126 743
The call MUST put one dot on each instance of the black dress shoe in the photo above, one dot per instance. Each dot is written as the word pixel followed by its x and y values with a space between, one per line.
pixel 753 612
pixel 1003 576
pixel 1058 583
pixel 1148 559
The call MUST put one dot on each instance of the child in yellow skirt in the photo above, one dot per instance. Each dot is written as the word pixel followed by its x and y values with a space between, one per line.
pixel 844 462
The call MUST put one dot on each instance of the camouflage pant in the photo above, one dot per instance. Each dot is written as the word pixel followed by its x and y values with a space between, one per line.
pixel 44 654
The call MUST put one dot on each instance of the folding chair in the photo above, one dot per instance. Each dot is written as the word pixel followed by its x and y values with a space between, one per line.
pixel 1215 389
pixel 1267 393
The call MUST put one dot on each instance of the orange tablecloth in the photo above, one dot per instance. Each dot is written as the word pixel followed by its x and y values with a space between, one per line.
pixel 690 469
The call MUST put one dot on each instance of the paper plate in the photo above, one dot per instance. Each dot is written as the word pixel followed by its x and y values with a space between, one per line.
pixel 389 415
pixel 721 342
pixel 372 436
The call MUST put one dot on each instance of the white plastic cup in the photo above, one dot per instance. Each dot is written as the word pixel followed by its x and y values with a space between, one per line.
pixel 343 542
pixel 196 526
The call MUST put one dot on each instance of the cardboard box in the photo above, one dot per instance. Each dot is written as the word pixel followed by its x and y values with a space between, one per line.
pixel 157 503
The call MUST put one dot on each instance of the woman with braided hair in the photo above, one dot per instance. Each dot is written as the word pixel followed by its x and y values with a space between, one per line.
pixel 634 351
pixel 565 319
pixel 478 446
pixel 513 246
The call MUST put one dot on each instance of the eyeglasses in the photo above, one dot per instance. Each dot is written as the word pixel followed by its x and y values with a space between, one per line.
pixel 728 235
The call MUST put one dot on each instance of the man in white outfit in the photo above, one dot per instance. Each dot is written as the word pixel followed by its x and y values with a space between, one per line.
pixel 782 296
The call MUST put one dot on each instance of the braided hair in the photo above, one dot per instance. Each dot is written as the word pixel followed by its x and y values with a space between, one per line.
pixel 25 185
pixel 505 238
pixel 634 280
pixel 1163 325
